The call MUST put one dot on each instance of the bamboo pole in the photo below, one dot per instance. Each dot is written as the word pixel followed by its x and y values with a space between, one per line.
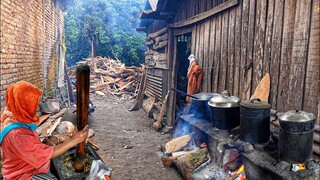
pixel 83 80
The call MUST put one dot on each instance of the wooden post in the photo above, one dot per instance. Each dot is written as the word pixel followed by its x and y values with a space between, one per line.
pixel 83 75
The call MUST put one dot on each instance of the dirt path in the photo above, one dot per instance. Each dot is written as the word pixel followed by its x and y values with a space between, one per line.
pixel 116 128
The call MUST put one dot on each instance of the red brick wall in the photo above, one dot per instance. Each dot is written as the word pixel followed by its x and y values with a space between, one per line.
pixel 31 31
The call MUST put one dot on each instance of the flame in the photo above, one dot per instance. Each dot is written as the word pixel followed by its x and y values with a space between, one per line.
pixel 239 174
pixel 298 167
pixel 107 177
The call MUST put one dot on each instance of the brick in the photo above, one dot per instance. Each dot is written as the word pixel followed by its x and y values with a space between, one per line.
pixel 22 41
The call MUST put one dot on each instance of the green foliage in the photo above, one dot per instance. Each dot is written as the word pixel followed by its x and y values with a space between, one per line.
pixel 110 24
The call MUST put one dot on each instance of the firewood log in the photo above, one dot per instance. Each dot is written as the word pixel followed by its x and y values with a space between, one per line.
pixel 161 38
pixel 188 163
pixel 161 45
pixel 108 79
pixel 147 105
pixel 149 43
pixel 47 131
pixel 158 33
pixel 160 56
pixel 157 125
pixel 168 159
pixel 177 143
pixel 100 86
pixel 139 100
pixel 42 119
pixel 125 86
pixel 60 113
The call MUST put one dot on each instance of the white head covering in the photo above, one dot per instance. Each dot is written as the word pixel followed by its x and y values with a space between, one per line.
pixel 192 57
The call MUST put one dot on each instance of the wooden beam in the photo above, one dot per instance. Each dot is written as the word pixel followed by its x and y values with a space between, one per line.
pixel 172 78
pixel 171 101
pixel 204 15
pixel 185 30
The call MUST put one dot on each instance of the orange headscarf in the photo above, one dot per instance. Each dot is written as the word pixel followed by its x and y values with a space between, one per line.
pixel 22 99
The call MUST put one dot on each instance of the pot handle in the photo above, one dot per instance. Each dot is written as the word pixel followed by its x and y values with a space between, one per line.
pixel 255 99
pixel 308 126
pixel 225 93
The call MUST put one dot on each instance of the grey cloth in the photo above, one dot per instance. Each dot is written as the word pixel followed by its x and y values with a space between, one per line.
pixel 47 176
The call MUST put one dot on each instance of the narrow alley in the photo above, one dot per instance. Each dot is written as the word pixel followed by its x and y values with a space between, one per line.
pixel 127 142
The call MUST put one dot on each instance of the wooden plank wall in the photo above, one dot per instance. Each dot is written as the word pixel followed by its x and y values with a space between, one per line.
pixel 238 46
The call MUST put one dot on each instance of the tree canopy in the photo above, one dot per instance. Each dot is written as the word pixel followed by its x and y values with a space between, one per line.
pixel 110 24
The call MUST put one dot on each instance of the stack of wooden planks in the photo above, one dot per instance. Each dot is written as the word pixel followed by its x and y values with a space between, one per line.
pixel 110 76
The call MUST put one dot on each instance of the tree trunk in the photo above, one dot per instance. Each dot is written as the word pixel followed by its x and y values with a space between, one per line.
pixel 94 66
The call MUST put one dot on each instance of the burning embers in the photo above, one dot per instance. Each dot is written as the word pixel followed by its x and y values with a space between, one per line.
pixel 191 158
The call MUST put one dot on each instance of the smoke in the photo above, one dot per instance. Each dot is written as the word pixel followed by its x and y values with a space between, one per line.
pixel 189 113
pixel 187 116
pixel 181 127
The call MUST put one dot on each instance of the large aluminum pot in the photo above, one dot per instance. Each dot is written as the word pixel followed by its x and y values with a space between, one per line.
pixel 199 105
pixel 296 136
pixel 225 112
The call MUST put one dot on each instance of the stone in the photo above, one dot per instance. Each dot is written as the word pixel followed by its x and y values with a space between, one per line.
pixel 260 147
pixel 283 165
pixel 248 148
pixel 220 147
pixel 230 161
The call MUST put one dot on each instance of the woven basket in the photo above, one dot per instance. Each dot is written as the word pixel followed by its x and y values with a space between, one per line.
pixel 263 89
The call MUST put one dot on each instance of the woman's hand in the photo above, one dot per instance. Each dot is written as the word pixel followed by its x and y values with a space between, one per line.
pixel 76 139
pixel 81 135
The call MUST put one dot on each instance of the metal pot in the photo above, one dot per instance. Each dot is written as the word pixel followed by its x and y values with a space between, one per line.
pixel 254 121
pixel 296 136
pixel 225 112
pixel 199 105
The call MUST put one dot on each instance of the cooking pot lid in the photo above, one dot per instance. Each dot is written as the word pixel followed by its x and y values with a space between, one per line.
pixel 297 116
pixel 224 100
pixel 255 104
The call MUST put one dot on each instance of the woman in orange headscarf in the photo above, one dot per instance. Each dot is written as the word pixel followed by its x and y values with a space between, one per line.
pixel 23 154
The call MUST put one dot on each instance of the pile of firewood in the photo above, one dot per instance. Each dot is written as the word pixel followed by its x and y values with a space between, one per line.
pixel 111 76
pixel 156 42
